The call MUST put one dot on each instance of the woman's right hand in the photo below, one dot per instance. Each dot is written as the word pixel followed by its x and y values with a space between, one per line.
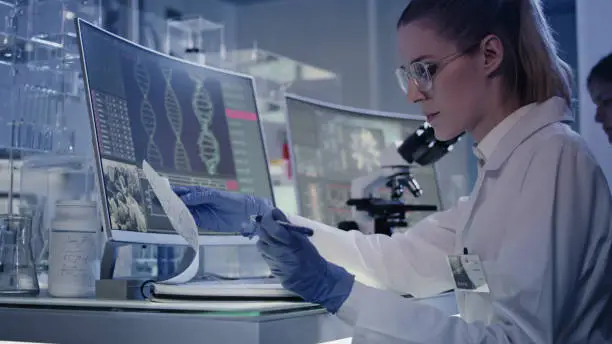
pixel 221 211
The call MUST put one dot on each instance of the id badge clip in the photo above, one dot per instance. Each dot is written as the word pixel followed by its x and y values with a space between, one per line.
pixel 468 273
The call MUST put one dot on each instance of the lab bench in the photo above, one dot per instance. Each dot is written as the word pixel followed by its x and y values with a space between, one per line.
pixel 66 321
pixel 53 320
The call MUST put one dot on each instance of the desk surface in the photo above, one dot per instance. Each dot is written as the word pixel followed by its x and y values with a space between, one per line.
pixel 67 321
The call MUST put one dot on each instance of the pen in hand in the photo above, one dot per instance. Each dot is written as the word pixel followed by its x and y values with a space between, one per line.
pixel 290 226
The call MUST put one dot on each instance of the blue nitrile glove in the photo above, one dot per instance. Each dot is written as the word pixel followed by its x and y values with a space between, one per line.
pixel 301 269
pixel 221 211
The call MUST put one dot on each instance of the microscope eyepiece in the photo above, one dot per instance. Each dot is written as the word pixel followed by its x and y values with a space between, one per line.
pixel 422 147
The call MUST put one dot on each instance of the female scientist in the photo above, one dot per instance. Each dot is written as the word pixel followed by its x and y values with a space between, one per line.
pixel 599 83
pixel 537 225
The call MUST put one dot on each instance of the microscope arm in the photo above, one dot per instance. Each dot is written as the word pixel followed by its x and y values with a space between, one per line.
pixel 365 187
pixel 391 161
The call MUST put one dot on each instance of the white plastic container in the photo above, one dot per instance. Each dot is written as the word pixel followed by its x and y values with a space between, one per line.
pixel 73 249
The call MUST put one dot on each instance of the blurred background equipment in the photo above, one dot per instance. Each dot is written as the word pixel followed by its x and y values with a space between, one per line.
pixel 46 154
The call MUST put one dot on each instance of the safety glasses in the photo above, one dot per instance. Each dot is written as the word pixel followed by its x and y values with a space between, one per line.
pixel 421 73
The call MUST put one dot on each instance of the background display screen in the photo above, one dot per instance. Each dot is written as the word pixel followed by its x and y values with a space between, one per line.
pixel 333 146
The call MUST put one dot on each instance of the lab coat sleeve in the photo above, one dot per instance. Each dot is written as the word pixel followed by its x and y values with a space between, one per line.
pixel 413 262
pixel 560 225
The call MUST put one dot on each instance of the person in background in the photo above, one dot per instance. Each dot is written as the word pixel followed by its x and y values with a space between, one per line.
pixel 599 84
pixel 537 226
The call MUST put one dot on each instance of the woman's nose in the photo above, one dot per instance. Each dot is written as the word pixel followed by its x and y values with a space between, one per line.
pixel 414 94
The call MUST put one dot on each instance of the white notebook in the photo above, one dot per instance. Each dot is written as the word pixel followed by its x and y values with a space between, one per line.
pixel 251 288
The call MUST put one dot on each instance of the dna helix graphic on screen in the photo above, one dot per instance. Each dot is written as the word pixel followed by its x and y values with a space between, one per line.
pixel 203 108
pixel 174 114
pixel 147 114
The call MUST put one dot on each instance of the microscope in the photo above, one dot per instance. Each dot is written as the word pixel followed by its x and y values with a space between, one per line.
pixel 375 215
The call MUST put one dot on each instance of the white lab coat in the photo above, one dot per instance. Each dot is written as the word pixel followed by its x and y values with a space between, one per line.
pixel 540 219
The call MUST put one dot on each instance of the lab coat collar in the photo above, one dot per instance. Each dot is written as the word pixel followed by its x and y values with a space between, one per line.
pixel 485 148
pixel 487 145
pixel 551 111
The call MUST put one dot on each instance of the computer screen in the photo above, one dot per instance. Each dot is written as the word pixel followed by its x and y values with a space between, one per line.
pixel 195 125
pixel 332 145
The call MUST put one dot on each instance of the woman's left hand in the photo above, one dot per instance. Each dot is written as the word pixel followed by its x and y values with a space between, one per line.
pixel 301 269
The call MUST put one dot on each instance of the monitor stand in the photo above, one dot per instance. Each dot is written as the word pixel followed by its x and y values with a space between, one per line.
pixel 109 288
pixel 109 258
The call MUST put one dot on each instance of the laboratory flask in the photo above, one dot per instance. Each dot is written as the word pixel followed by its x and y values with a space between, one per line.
pixel 17 268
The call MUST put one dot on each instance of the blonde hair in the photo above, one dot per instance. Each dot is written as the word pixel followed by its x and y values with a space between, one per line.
pixel 531 67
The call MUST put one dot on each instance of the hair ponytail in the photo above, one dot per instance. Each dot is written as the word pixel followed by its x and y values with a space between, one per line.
pixel 545 74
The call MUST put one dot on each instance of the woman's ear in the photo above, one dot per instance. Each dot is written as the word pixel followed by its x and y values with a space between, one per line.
pixel 493 53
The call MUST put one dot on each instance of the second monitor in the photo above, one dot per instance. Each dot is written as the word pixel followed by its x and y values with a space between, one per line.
pixel 332 145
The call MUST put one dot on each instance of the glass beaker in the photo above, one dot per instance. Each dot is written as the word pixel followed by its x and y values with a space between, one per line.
pixel 17 268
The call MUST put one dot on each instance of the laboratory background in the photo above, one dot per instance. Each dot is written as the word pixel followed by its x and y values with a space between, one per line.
pixel 299 102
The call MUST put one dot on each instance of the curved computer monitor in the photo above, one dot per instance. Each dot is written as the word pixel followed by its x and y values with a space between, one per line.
pixel 194 124
pixel 331 145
